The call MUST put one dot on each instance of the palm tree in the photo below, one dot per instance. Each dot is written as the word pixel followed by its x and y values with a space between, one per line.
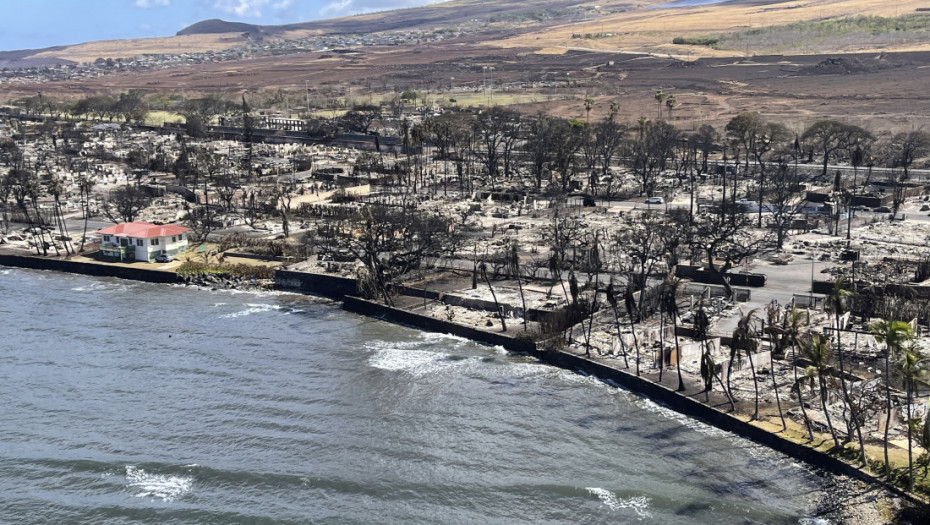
pixel 894 335
pixel 913 365
pixel 701 324
pixel 612 299
pixel 777 336
pixel 837 302
pixel 513 266
pixel 708 367
pixel 670 103
pixel 483 267
pixel 745 340
pixel 575 291
pixel 594 265
pixel 791 325
pixel 818 351
pixel 630 302
pixel 55 189
pixel 660 97
pixel 588 106
pixel 669 306
pixel 85 185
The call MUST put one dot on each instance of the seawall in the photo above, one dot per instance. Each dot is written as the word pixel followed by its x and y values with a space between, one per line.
pixel 331 286
pixel 397 315
pixel 87 268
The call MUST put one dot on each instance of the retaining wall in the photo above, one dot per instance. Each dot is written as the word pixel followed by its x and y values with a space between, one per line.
pixel 710 415
pixel 387 313
pixel 316 283
pixel 87 268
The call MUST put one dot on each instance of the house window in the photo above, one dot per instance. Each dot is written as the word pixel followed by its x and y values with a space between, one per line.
pixel 106 238
pixel 139 242
pixel 154 242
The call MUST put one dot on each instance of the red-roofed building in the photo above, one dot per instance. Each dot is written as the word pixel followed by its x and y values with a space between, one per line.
pixel 142 241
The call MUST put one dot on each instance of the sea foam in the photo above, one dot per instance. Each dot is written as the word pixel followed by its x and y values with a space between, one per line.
pixel 252 309
pixel 638 504
pixel 159 486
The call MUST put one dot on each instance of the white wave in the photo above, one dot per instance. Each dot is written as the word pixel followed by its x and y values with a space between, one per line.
pixel 436 337
pixel 693 424
pixel 379 345
pixel 252 309
pixel 418 362
pixel 579 377
pixel 160 486
pixel 638 504
pixel 99 286
pixel 813 521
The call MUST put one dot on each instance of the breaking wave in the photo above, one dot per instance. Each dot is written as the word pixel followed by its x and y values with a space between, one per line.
pixel 158 486
pixel 252 309
pixel 638 504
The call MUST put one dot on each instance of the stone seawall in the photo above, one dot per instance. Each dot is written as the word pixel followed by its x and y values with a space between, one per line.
pixel 682 404
pixel 87 268
pixel 689 407
pixel 330 286
pixel 396 315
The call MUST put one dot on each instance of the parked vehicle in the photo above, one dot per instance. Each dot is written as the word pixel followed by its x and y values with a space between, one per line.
pixel 164 258
pixel 655 200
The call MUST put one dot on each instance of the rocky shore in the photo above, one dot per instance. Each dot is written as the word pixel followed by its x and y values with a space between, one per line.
pixel 226 282
pixel 847 500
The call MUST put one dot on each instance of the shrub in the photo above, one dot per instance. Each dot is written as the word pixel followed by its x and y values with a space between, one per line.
pixel 695 41
pixel 243 271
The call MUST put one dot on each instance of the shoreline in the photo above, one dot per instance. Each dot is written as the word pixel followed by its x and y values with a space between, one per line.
pixel 855 502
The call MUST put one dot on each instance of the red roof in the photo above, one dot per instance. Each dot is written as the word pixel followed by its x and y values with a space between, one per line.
pixel 143 230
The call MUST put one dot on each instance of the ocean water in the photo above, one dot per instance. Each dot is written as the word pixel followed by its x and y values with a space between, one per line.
pixel 128 402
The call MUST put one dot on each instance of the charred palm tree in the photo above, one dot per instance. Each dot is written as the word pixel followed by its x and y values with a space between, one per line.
pixel 745 340
pixel 837 303
pixel 483 268
pixel 55 189
pixel 669 304
pixel 630 302
pixel 791 326
pixel 513 266
pixel 708 367
pixel 85 185
pixel 913 368
pixel 777 339
pixel 612 300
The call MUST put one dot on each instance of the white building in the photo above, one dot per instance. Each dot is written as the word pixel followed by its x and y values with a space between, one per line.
pixel 142 241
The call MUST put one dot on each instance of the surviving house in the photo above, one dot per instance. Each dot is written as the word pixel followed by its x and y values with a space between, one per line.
pixel 142 241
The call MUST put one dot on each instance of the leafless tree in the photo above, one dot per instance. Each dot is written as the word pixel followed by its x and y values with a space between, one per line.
pixel 124 203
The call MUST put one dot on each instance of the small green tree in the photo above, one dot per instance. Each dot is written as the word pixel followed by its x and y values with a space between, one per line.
pixel 818 351
pixel 894 335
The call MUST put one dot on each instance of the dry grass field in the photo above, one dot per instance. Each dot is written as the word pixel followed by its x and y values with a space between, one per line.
pixel 552 72
pixel 641 26
pixel 90 51
pixel 651 30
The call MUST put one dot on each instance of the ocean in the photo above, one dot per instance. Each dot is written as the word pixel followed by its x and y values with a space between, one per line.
pixel 129 402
